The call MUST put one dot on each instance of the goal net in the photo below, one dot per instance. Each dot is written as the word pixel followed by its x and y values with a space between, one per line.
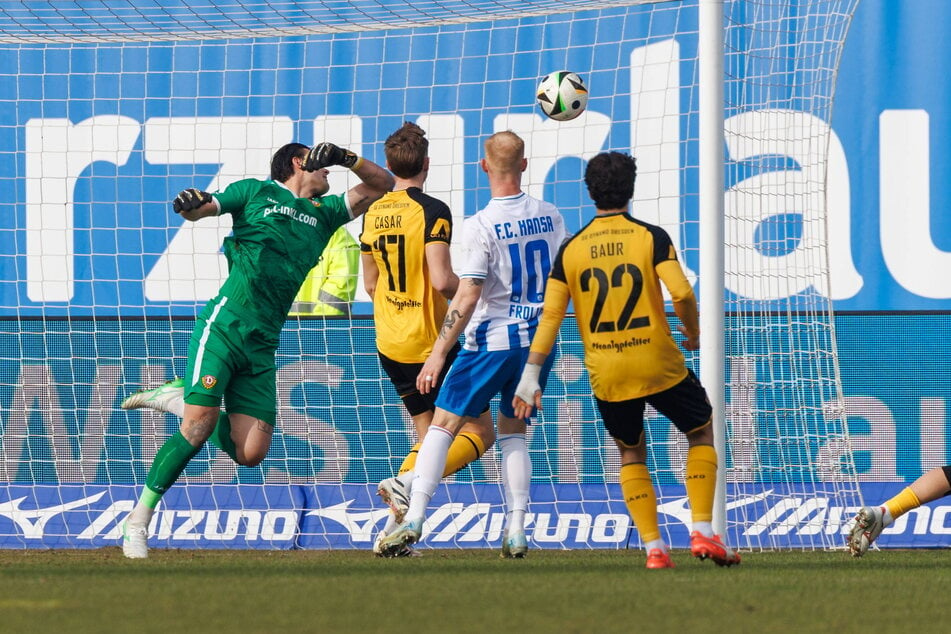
pixel 107 110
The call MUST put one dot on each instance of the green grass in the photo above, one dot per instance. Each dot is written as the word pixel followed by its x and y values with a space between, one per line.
pixel 470 591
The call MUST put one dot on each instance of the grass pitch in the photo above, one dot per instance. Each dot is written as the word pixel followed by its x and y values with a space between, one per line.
pixel 451 591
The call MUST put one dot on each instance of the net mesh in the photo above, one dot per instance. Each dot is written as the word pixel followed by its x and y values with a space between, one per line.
pixel 106 111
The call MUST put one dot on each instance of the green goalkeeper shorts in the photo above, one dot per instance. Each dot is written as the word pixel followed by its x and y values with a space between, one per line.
pixel 229 359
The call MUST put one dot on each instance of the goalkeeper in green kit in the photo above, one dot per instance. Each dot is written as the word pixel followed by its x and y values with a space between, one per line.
pixel 280 228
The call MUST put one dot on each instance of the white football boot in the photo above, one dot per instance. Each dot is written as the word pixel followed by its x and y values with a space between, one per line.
pixel 396 495
pixel 135 543
pixel 407 551
pixel 866 527
pixel 514 546
pixel 168 397
pixel 406 534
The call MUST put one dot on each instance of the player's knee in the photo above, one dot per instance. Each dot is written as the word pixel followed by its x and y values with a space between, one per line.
pixel 947 474
pixel 488 437
pixel 197 428
pixel 250 458
pixel 250 461
pixel 702 435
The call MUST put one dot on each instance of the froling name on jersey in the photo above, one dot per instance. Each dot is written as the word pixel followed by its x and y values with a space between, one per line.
pixel 526 227
pixel 518 311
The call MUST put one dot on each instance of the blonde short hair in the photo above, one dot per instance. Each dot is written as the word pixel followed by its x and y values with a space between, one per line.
pixel 504 152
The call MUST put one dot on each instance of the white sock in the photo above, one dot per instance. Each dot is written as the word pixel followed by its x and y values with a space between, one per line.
pixel 430 463
pixel 390 524
pixel 141 515
pixel 704 528
pixel 887 519
pixel 177 406
pixel 516 478
pixel 406 478
pixel 655 543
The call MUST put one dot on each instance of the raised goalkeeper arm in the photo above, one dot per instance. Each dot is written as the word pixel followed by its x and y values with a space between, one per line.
pixel 376 180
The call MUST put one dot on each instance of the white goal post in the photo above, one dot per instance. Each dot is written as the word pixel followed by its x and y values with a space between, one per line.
pixel 107 110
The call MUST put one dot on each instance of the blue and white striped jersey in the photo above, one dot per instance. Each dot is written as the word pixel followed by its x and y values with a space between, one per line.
pixel 511 244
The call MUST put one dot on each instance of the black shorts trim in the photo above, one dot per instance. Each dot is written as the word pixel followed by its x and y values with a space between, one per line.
pixel 403 377
pixel 686 405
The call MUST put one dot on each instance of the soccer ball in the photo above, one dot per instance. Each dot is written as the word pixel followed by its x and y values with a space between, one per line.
pixel 562 95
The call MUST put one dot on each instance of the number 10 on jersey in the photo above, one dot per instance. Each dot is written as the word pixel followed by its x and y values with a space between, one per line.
pixel 531 264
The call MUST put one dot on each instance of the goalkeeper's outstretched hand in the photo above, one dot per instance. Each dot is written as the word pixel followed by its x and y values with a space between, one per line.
pixel 190 200
pixel 325 154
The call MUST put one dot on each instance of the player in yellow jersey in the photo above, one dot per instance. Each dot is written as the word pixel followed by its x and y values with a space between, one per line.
pixel 408 273
pixel 613 270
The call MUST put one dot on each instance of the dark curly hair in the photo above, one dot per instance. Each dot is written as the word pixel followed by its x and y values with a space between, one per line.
pixel 282 163
pixel 610 179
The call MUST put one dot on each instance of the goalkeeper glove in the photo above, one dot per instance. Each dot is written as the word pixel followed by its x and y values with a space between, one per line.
pixel 190 199
pixel 528 384
pixel 325 154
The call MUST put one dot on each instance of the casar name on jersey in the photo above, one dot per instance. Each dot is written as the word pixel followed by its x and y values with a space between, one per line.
pixel 388 222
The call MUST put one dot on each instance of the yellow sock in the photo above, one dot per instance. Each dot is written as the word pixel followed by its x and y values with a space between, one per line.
pixel 905 501
pixel 465 448
pixel 701 481
pixel 641 500
pixel 410 460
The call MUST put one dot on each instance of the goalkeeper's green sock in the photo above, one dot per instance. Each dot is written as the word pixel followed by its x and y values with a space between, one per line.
pixel 141 514
pixel 169 463
pixel 221 436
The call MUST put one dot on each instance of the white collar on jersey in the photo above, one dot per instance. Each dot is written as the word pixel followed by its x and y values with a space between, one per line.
pixel 512 197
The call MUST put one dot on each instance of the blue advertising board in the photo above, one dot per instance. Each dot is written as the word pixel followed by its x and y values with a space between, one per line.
pixel 339 415
pixel 149 120
pixel 560 516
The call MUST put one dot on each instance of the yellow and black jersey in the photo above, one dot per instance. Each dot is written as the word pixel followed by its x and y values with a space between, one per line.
pixel 407 311
pixel 612 269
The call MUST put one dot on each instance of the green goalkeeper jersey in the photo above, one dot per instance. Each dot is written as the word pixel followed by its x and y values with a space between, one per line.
pixel 277 239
